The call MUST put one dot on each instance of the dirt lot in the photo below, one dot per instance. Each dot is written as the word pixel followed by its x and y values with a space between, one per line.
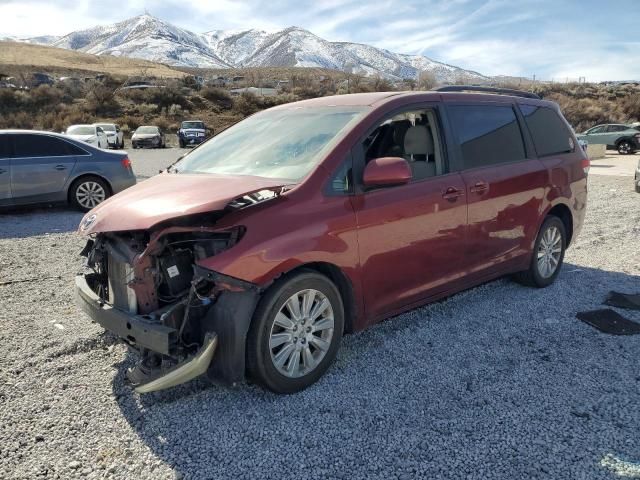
pixel 500 381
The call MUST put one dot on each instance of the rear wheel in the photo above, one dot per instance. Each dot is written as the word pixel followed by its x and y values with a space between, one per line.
pixel 548 254
pixel 295 333
pixel 625 147
pixel 88 192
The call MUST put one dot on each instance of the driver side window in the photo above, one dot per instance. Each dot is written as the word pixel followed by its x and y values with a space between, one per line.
pixel 411 135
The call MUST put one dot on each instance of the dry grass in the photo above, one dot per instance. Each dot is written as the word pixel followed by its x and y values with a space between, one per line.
pixel 18 57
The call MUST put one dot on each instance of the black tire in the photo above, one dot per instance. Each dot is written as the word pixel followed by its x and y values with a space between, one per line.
pixel 637 187
pixel 533 276
pixel 625 147
pixel 74 197
pixel 260 364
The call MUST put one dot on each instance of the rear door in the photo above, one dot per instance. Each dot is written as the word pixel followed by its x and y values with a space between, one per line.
pixel 5 169
pixel 597 135
pixel 40 167
pixel 505 184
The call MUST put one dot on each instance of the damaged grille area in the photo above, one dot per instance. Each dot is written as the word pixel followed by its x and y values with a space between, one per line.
pixel 152 276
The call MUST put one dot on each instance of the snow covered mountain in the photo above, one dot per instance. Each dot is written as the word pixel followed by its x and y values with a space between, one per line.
pixel 145 37
pixel 153 39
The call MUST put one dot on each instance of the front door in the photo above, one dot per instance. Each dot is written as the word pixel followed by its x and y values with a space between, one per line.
pixel 40 168
pixel 597 135
pixel 411 237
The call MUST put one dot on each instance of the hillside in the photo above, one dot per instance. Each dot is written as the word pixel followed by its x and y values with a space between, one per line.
pixel 15 58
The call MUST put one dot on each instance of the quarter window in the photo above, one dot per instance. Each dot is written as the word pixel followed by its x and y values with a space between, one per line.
pixel 551 136
pixel 28 145
pixel 487 134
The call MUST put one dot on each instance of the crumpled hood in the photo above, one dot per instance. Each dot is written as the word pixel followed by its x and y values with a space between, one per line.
pixel 167 196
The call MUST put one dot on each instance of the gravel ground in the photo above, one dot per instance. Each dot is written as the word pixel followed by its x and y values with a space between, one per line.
pixel 497 382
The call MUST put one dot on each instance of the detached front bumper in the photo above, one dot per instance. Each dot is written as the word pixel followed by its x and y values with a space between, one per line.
pixel 224 329
pixel 139 331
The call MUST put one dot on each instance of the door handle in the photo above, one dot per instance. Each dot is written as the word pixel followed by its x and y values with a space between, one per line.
pixel 2 170
pixel 60 167
pixel 479 187
pixel 452 194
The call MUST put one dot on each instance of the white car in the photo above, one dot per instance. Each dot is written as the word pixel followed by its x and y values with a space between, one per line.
pixel 90 134
pixel 115 136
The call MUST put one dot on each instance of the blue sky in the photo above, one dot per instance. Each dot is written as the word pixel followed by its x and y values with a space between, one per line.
pixel 557 39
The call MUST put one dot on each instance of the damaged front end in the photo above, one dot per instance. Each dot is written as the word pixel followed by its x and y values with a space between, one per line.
pixel 183 320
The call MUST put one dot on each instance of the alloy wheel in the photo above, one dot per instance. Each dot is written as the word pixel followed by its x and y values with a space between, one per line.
pixel 301 333
pixel 624 148
pixel 549 251
pixel 89 194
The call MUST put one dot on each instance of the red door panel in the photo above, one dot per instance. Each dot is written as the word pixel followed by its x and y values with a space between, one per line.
pixel 411 241
pixel 505 202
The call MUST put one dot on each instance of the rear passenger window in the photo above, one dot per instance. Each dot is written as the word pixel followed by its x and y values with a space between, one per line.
pixel 27 145
pixel 550 133
pixel 487 134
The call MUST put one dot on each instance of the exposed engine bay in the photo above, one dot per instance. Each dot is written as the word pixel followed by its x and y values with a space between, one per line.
pixel 165 306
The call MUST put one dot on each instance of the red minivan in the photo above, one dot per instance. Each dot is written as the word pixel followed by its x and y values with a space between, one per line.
pixel 252 255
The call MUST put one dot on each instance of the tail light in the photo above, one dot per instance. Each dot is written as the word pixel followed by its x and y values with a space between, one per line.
pixel 126 163
pixel 586 163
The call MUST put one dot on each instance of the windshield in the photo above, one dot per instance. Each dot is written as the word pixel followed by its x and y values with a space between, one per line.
pixel 107 127
pixel 199 125
pixel 81 130
pixel 147 130
pixel 282 143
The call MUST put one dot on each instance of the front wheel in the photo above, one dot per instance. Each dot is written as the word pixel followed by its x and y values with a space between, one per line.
pixel 548 255
pixel 295 333
pixel 625 148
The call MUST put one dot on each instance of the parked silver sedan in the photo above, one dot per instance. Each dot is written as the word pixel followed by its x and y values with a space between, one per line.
pixel 44 167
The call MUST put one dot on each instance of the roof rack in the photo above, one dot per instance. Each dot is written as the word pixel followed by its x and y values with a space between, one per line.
pixel 471 88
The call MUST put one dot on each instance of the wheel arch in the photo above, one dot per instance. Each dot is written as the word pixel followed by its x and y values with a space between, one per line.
pixel 563 212
pixel 626 138
pixel 342 283
pixel 74 180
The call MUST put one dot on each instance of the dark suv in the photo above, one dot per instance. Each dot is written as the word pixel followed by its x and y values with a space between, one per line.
pixel 257 251
pixel 192 133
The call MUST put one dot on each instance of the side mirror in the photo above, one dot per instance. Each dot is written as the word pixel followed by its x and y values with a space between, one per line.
pixel 386 171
